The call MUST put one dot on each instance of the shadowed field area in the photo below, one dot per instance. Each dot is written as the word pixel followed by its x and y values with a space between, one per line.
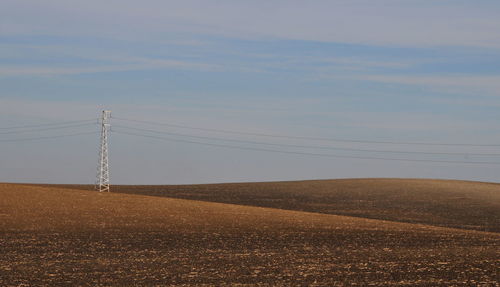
pixel 449 203
pixel 51 235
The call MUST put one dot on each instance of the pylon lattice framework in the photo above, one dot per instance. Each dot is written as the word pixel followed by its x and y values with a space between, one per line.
pixel 102 183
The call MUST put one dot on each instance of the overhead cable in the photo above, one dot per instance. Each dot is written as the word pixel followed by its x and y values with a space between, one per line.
pixel 48 128
pixel 304 146
pixel 47 124
pixel 308 138
pixel 307 153
pixel 46 137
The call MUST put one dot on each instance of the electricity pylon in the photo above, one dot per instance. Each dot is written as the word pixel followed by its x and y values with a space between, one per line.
pixel 102 183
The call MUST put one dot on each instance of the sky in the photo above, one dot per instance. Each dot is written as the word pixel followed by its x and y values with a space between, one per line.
pixel 369 71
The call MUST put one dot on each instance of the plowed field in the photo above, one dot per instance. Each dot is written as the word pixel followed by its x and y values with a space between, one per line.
pixel 63 236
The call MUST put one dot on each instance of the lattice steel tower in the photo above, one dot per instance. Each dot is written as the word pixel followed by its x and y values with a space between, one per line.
pixel 102 183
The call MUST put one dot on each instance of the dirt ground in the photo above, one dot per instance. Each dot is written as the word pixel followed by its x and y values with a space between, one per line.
pixel 448 203
pixel 61 236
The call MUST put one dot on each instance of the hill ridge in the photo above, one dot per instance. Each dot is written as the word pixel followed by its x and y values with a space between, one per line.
pixel 449 203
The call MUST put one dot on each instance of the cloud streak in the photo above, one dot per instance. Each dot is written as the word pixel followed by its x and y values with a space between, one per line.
pixel 452 83
pixel 107 64
pixel 404 23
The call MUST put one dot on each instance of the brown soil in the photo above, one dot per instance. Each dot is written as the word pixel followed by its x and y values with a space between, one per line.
pixel 62 236
pixel 448 203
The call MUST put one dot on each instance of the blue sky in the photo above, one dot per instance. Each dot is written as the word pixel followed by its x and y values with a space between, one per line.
pixel 426 71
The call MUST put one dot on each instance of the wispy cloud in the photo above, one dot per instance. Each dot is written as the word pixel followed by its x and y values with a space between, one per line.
pixel 365 63
pixel 52 71
pixel 453 83
pixel 385 22
pixel 105 63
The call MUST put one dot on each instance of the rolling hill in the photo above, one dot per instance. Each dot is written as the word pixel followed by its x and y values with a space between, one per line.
pixel 62 236
pixel 449 203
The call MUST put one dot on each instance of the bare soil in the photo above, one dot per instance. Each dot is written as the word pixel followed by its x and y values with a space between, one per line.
pixel 62 236
pixel 448 203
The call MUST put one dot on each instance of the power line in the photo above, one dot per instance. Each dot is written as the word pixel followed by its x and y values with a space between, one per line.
pixel 308 138
pixel 48 124
pixel 306 146
pixel 47 137
pixel 308 153
pixel 48 128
